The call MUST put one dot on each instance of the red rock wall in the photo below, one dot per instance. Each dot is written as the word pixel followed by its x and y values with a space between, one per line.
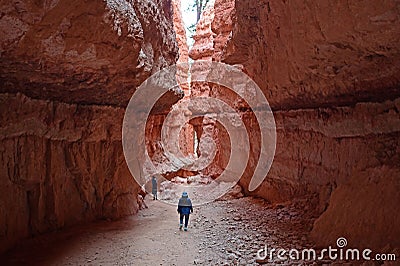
pixel 93 52
pixel 206 47
pixel 186 139
pixel 67 70
pixel 305 54
pixel 179 28
pixel 331 73
pixel 203 47
pixel 61 164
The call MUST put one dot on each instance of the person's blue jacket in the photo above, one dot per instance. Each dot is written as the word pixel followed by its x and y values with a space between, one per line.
pixel 185 204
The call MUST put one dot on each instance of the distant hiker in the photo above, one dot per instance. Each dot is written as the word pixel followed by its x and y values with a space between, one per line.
pixel 184 210
pixel 140 200
pixel 154 187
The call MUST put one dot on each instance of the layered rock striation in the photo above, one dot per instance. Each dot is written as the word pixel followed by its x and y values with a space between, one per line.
pixel 331 74
pixel 78 52
pixel 61 164
pixel 67 71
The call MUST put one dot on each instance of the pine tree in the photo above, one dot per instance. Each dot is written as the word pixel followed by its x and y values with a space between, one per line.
pixel 200 5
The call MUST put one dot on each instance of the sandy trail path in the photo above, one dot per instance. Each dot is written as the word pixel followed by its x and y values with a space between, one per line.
pixel 226 232
pixel 149 238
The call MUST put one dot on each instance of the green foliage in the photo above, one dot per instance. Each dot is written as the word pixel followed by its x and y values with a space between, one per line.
pixel 192 30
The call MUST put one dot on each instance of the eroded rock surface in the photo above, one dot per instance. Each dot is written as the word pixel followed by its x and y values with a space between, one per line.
pixel 203 48
pixel 67 71
pixel 61 164
pixel 305 54
pixel 330 72
pixel 84 52
pixel 180 32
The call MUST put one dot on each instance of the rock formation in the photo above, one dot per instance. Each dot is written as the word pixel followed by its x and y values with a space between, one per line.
pixel 186 141
pixel 331 74
pixel 179 28
pixel 93 53
pixel 67 70
pixel 329 69
pixel 203 48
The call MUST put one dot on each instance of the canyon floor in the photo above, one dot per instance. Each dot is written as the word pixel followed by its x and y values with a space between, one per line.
pixel 224 232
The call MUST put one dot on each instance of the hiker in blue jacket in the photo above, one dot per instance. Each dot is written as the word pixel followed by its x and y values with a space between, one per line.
pixel 184 210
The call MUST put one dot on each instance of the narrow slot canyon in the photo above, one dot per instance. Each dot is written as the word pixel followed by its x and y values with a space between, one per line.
pixel 281 121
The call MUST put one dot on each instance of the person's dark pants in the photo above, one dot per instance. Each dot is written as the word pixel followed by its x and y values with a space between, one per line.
pixel 186 219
